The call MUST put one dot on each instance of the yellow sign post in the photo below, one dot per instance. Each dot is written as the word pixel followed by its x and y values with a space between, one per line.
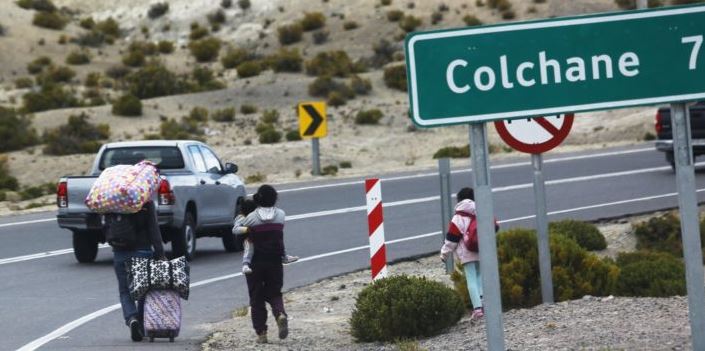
pixel 312 124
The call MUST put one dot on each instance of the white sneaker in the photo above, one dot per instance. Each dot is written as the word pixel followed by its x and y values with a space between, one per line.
pixel 246 269
pixel 290 259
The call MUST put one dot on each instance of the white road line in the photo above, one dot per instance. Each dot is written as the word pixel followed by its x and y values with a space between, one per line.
pixel 41 255
pixel 89 317
pixel 27 222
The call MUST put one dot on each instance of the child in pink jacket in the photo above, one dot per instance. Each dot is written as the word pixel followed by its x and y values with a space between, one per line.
pixel 464 214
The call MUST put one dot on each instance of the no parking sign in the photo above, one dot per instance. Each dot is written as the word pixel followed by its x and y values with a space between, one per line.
pixel 535 135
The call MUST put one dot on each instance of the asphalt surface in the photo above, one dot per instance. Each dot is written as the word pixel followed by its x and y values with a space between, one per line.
pixel 51 302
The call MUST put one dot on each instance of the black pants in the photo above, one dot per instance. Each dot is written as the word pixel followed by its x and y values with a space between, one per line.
pixel 264 285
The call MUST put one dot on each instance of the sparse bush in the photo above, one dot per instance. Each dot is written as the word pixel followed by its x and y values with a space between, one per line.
pixel 92 80
pixel 648 136
pixel 134 59
pixel 453 152
pixel 234 57
pixel 165 47
pixel 78 58
pixel 368 116
pixel 224 115
pixel 217 17
pixel 93 38
pixel 205 80
pixel 345 164
pixel 436 17
pixel 87 23
pixel 7 182
pixel 51 96
pixel 145 47
pixel 198 114
pixel 56 74
pixel 244 4
pixel 320 37
pixel 312 21
pixel 170 129
pixel 255 178
pixel 651 274
pixel 158 10
pixel 24 83
pixel 350 25
pixel 16 133
pixel 293 135
pixel 402 307
pixel 39 5
pixel 198 32
pixel 663 234
pixel 286 61
pixel 395 77
pixel 78 136
pixel 38 64
pixel 249 69
pixel 127 106
pixel 585 234
pixel 410 23
pixel 360 86
pixel 226 4
pixel 117 72
pixel 49 20
pixel 247 109
pixel 471 21
pixel 270 136
pixel 154 80
pixel 330 170
pixel 508 14
pixel 290 34
pixel 385 2
pixel 395 15
pixel 109 27
pixel 324 86
pixel 383 53
pixel 330 63
pixel 206 49
pixel 336 99
pixel 270 117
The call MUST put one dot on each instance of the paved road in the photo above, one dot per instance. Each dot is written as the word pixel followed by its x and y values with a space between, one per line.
pixel 49 301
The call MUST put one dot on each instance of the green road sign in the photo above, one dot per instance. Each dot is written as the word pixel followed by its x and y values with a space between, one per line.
pixel 556 66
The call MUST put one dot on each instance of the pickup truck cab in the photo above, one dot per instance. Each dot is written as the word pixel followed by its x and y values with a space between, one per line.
pixel 664 133
pixel 198 195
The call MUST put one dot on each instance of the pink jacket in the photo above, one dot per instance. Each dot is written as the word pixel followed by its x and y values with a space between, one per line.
pixel 457 226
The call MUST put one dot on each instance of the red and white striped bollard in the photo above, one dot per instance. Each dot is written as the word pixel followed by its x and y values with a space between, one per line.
pixel 378 251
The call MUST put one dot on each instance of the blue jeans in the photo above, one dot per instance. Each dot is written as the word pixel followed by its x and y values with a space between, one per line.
pixel 474 281
pixel 129 309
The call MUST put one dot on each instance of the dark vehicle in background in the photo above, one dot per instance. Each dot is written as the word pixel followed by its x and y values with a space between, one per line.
pixel 664 135
pixel 198 195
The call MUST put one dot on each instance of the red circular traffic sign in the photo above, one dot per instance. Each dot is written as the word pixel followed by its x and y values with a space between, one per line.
pixel 535 135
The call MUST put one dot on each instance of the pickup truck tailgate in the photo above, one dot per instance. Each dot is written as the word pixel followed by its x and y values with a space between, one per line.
pixel 78 188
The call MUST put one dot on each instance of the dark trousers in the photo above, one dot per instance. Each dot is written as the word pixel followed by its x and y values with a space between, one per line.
pixel 129 309
pixel 264 285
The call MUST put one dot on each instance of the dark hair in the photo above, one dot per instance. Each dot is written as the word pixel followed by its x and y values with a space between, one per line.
pixel 247 206
pixel 465 194
pixel 266 196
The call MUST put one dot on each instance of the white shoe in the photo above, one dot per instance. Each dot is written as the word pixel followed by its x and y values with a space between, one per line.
pixel 246 269
pixel 290 259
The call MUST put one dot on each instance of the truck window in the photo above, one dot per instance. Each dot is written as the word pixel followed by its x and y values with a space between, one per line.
pixel 212 163
pixel 197 158
pixel 165 157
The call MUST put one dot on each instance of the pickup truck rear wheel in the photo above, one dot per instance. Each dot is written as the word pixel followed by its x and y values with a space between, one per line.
pixel 85 246
pixel 184 242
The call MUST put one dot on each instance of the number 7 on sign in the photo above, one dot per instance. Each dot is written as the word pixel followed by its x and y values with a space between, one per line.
pixel 697 41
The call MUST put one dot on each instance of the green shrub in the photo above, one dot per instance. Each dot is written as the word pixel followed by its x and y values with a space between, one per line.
pixel 270 136
pixel 350 25
pixel 134 59
pixel 330 170
pixel 39 5
pixel 38 65
pixel 247 109
pixel 244 4
pixel 270 117
pixel 226 4
pixel 206 49
pixel 323 86
pixel 290 34
pixel 312 21
pixel 286 61
pixel 648 136
pixel 662 234
pixel 395 15
pixel 385 2
pixel 165 47
pixel 436 17
pixel 24 83
pixel 78 136
pixel 145 47
pixel 154 80
pixel 360 86
pixel 402 307
pixel 205 80
pixel 345 164
pixel 471 20
pixel 224 115
pixel 216 17
pixel 293 135
pixel 92 80
pixel 410 23
pixel 508 14
pixel 249 69
pixel 199 114
pixel 16 132
pixel 320 37
pixel 234 57
pixel 34 192
pixel 93 38
pixel 128 106
pixel 49 20
pixel 51 96
pixel 650 274
pixel 336 99
pixel 158 10
pixel 585 234
pixel 7 182
pixel 117 72
pixel 56 74
pixel 453 152
pixel 170 129
pixel 87 23
pixel 395 77
pixel 78 58
pixel 255 178
pixel 198 32
pixel 109 27
pixel 368 116
pixel 330 63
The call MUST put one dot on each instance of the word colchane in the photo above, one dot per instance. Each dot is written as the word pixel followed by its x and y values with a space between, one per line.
pixel 460 78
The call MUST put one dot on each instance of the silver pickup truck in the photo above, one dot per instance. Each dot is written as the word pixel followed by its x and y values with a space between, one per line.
pixel 198 195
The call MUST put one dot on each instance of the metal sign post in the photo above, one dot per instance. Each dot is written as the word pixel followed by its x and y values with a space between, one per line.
pixel 542 229
pixel 489 267
pixel 446 206
pixel 315 157
pixel 690 228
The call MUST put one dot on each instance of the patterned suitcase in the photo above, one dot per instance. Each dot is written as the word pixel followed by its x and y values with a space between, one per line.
pixel 162 314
